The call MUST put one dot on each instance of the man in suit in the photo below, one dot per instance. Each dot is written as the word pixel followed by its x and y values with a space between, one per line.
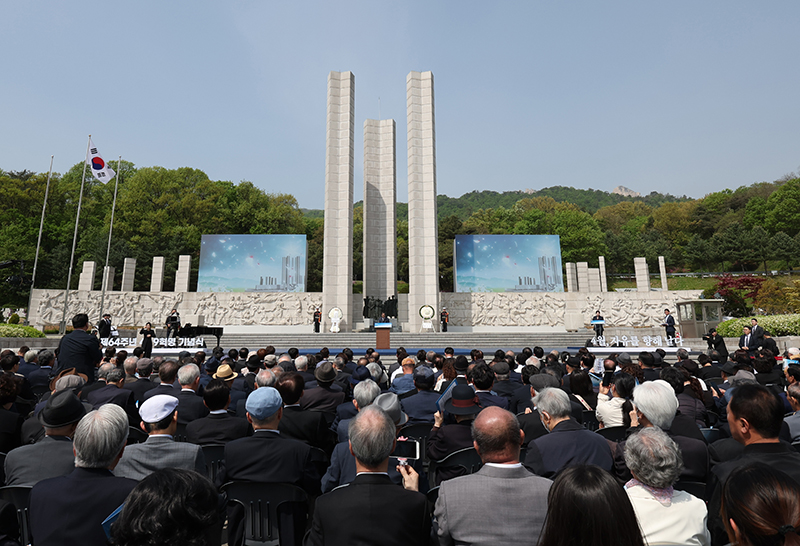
pixel 387 514
pixel 79 349
pixel 502 483
pixel 756 330
pixel 218 427
pixel 420 407
pixel 503 385
pixel 69 510
pixel 323 397
pixel 669 327
pixel 364 394
pixel 28 363
pixel 267 456
pixel 190 405
pixel 567 443
pixel 482 377
pixel 748 341
pixel 160 420
pixel 104 326
pixel 647 364
pixel 113 393
pixel 130 369
pixel 225 373
pixel 144 368
pixel 51 456
pixel 41 376
pixel 301 363
pixel 304 425
pixel 168 374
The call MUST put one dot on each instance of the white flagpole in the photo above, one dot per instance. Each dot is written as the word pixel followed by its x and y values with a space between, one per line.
pixel 62 328
pixel 110 230
pixel 39 241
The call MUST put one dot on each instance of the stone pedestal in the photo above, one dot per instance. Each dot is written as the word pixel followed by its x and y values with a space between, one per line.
pixel 583 276
pixel 642 274
pixel 380 196
pixel 337 269
pixel 108 278
pixel 594 280
pixel 423 240
pixel 182 274
pixel 157 276
pixel 86 280
pixel 603 276
pixel 128 272
pixel 572 277
pixel 662 268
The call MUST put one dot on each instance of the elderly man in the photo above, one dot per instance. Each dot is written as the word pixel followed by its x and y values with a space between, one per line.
pixel 160 420
pixel 325 396
pixel 421 406
pixel 405 382
pixel 52 456
pixel 168 374
pixel 69 510
pixel 113 393
pixel 190 405
pixel 379 511
pixel 567 443
pixel 304 425
pixel 364 394
pixel 40 377
pixel 503 485
pixel 144 368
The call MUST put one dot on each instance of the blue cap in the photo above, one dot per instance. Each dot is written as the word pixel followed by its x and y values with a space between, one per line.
pixel 263 403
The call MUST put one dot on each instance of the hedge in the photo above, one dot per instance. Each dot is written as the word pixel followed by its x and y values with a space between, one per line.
pixel 777 325
pixel 15 330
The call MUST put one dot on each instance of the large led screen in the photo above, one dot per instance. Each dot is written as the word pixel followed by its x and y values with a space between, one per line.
pixel 252 263
pixel 508 263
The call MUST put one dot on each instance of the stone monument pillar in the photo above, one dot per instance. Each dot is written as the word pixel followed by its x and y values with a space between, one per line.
pixel 182 274
pixel 86 280
pixel 128 272
pixel 423 241
pixel 108 278
pixel 157 276
pixel 642 274
pixel 380 196
pixel 603 276
pixel 572 277
pixel 583 276
pixel 337 269
pixel 662 268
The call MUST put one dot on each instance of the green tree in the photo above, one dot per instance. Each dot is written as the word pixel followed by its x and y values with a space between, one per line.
pixel 783 209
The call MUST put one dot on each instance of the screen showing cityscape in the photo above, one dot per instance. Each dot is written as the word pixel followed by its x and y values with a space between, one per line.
pixel 507 263
pixel 252 263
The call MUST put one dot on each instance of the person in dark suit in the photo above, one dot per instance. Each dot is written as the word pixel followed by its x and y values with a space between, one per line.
pixel 568 443
pixel 502 484
pixel 168 373
pixel 322 397
pixel 190 405
pixel 299 424
pixel 51 456
pixel 225 373
pixel 503 385
pixel 598 328
pixel 113 393
pixel 363 396
pixel 160 421
pixel 669 326
pixel 28 364
pixel 389 515
pixel 69 510
pixel 41 376
pixel 716 343
pixel 482 377
pixel 446 439
pixel 10 421
pixel 218 427
pixel 748 341
pixel 79 349
pixel 144 368
pixel 104 326
pixel 267 456
pixel 173 323
pixel 420 407
pixel 756 330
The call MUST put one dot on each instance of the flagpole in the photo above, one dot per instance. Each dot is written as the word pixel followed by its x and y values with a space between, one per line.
pixel 62 328
pixel 110 230
pixel 39 241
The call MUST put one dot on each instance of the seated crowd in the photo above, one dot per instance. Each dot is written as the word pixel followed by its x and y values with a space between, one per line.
pixel 561 448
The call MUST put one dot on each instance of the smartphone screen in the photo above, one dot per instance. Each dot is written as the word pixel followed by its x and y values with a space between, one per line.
pixel 608 378
pixel 407 449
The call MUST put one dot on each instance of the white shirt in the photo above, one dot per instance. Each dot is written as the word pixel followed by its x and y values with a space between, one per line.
pixel 682 522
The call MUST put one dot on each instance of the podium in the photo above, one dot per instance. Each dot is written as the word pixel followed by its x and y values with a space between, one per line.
pixel 382 336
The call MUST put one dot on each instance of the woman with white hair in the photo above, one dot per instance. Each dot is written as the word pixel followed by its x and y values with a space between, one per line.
pixel 666 515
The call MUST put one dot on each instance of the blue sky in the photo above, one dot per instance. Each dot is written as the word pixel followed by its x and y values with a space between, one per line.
pixel 683 97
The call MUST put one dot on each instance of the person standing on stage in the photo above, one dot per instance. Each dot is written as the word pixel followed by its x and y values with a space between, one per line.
pixel 444 318
pixel 104 326
pixel 173 323
pixel 669 326
pixel 147 342
pixel 317 320
pixel 598 328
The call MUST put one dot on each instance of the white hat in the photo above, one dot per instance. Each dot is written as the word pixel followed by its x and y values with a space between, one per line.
pixel 158 408
pixel 793 351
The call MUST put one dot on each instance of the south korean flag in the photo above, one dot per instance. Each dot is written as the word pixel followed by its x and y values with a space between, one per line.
pixel 100 169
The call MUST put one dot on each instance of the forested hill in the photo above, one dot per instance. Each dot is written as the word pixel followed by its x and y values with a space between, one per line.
pixel 463 207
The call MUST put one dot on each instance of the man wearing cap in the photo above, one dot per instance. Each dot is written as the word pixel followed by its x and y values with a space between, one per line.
pixel 342 469
pixel 446 439
pixel 267 456
pixel 502 485
pixel 69 510
pixel 323 397
pixel 144 368
pixel 307 426
pixel 160 421
pixel 421 406
pixel 225 373
pixel 376 510
pixel 52 456
pixel 502 380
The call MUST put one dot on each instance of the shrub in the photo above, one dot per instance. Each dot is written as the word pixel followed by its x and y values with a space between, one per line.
pixel 777 325
pixel 13 319
pixel 15 330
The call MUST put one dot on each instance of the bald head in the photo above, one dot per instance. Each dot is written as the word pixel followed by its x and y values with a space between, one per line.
pixel 496 436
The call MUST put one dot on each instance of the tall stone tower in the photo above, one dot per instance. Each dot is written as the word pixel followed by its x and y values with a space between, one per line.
pixel 423 242
pixel 337 270
pixel 380 197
